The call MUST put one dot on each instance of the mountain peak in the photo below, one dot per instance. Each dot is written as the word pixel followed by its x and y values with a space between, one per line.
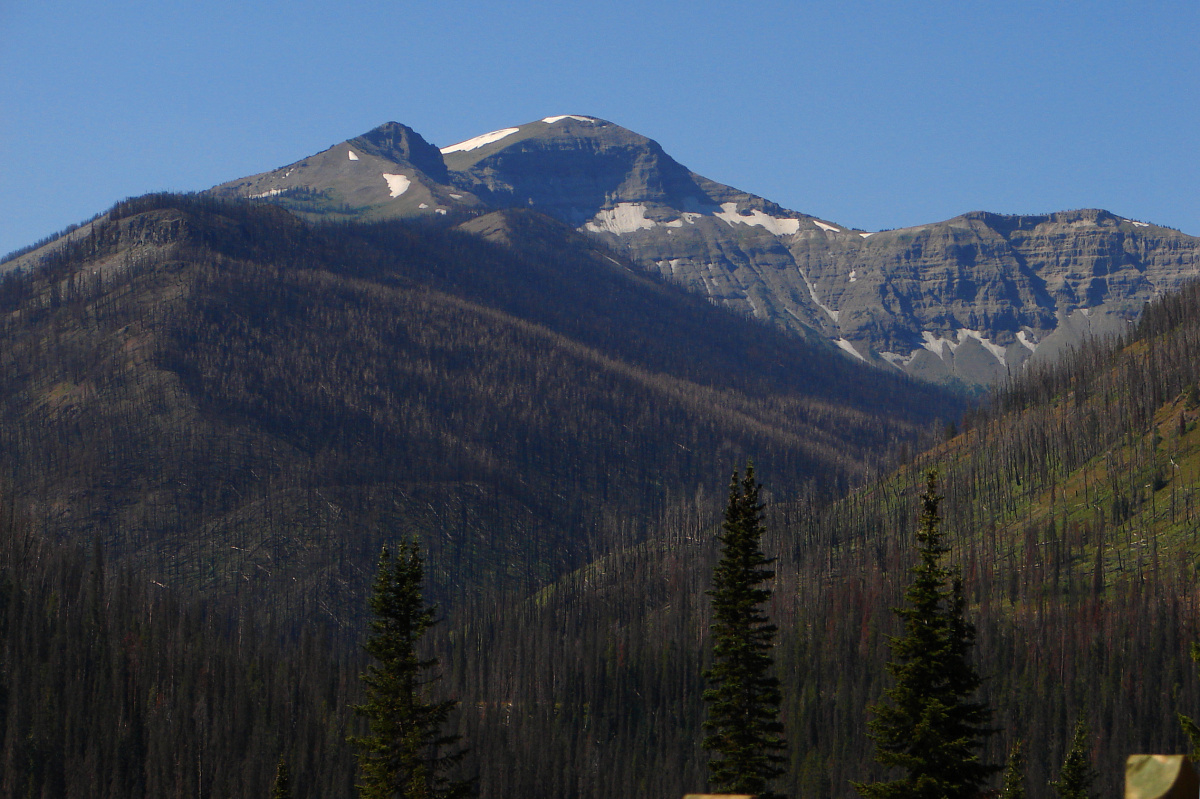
pixel 399 143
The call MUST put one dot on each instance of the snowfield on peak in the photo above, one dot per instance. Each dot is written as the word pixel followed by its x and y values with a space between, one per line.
pixel 625 218
pixel 777 225
pixel 552 120
pixel 479 141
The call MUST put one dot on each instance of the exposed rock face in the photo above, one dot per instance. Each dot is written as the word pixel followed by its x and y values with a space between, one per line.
pixel 401 144
pixel 385 173
pixel 968 300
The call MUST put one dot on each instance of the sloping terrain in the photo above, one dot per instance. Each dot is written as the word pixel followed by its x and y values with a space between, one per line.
pixel 1072 516
pixel 235 398
pixel 969 300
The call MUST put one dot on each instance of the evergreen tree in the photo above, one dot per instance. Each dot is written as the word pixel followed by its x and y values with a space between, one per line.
pixel 1077 775
pixel 1014 775
pixel 928 726
pixel 1190 728
pixel 406 755
pixel 282 789
pixel 744 732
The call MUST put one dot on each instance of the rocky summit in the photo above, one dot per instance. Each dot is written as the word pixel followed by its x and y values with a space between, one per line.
pixel 969 300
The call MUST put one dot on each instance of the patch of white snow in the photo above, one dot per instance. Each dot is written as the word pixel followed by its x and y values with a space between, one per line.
pixel 397 184
pixel 848 347
pixel 995 349
pixel 829 228
pixel 776 225
pixel 813 294
pixel 456 196
pixel 1139 224
pixel 897 360
pixel 866 235
pixel 441 211
pixel 479 141
pixel 552 120
pixel 938 345
pixel 1024 339
pixel 353 155
pixel 853 273
pixel 625 218
pixel 423 205
pixel 268 193
pixel 686 216
pixel 1086 311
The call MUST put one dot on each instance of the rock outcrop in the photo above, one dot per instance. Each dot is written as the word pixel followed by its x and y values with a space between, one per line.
pixel 967 300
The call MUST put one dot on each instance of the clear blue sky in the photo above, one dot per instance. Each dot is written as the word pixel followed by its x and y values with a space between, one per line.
pixel 875 115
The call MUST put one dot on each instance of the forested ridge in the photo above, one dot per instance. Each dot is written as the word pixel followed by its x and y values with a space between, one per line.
pixel 213 415
pixel 232 397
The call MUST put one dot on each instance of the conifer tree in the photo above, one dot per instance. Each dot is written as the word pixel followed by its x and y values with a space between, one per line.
pixel 406 755
pixel 745 736
pixel 1077 775
pixel 928 726
pixel 1190 729
pixel 1014 774
pixel 282 789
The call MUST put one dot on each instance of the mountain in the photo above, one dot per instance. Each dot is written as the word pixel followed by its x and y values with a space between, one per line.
pixel 1072 519
pixel 220 391
pixel 968 300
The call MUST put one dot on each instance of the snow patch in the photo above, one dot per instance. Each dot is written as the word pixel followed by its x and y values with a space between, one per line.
pixel 995 349
pixel 441 211
pixel 853 273
pixel 1139 224
pixel 625 218
pixel 897 360
pixel 848 347
pixel 353 155
pixel 1086 311
pixel 686 216
pixel 866 235
pixel 1024 339
pixel 397 184
pixel 813 294
pixel 776 225
pixel 552 120
pixel 829 228
pixel 268 193
pixel 938 345
pixel 456 196
pixel 479 141
pixel 423 205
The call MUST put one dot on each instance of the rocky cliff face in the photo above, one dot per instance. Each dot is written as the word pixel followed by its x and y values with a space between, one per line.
pixel 967 300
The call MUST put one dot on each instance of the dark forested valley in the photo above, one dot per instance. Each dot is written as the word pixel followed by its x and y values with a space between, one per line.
pixel 212 416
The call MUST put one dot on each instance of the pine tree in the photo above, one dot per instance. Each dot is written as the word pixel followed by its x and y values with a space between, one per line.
pixel 283 782
pixel 1014 775
pixel 1190 729
pixel 928 726
pixel 1077 775
pixel 406 754
pixel 744 732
